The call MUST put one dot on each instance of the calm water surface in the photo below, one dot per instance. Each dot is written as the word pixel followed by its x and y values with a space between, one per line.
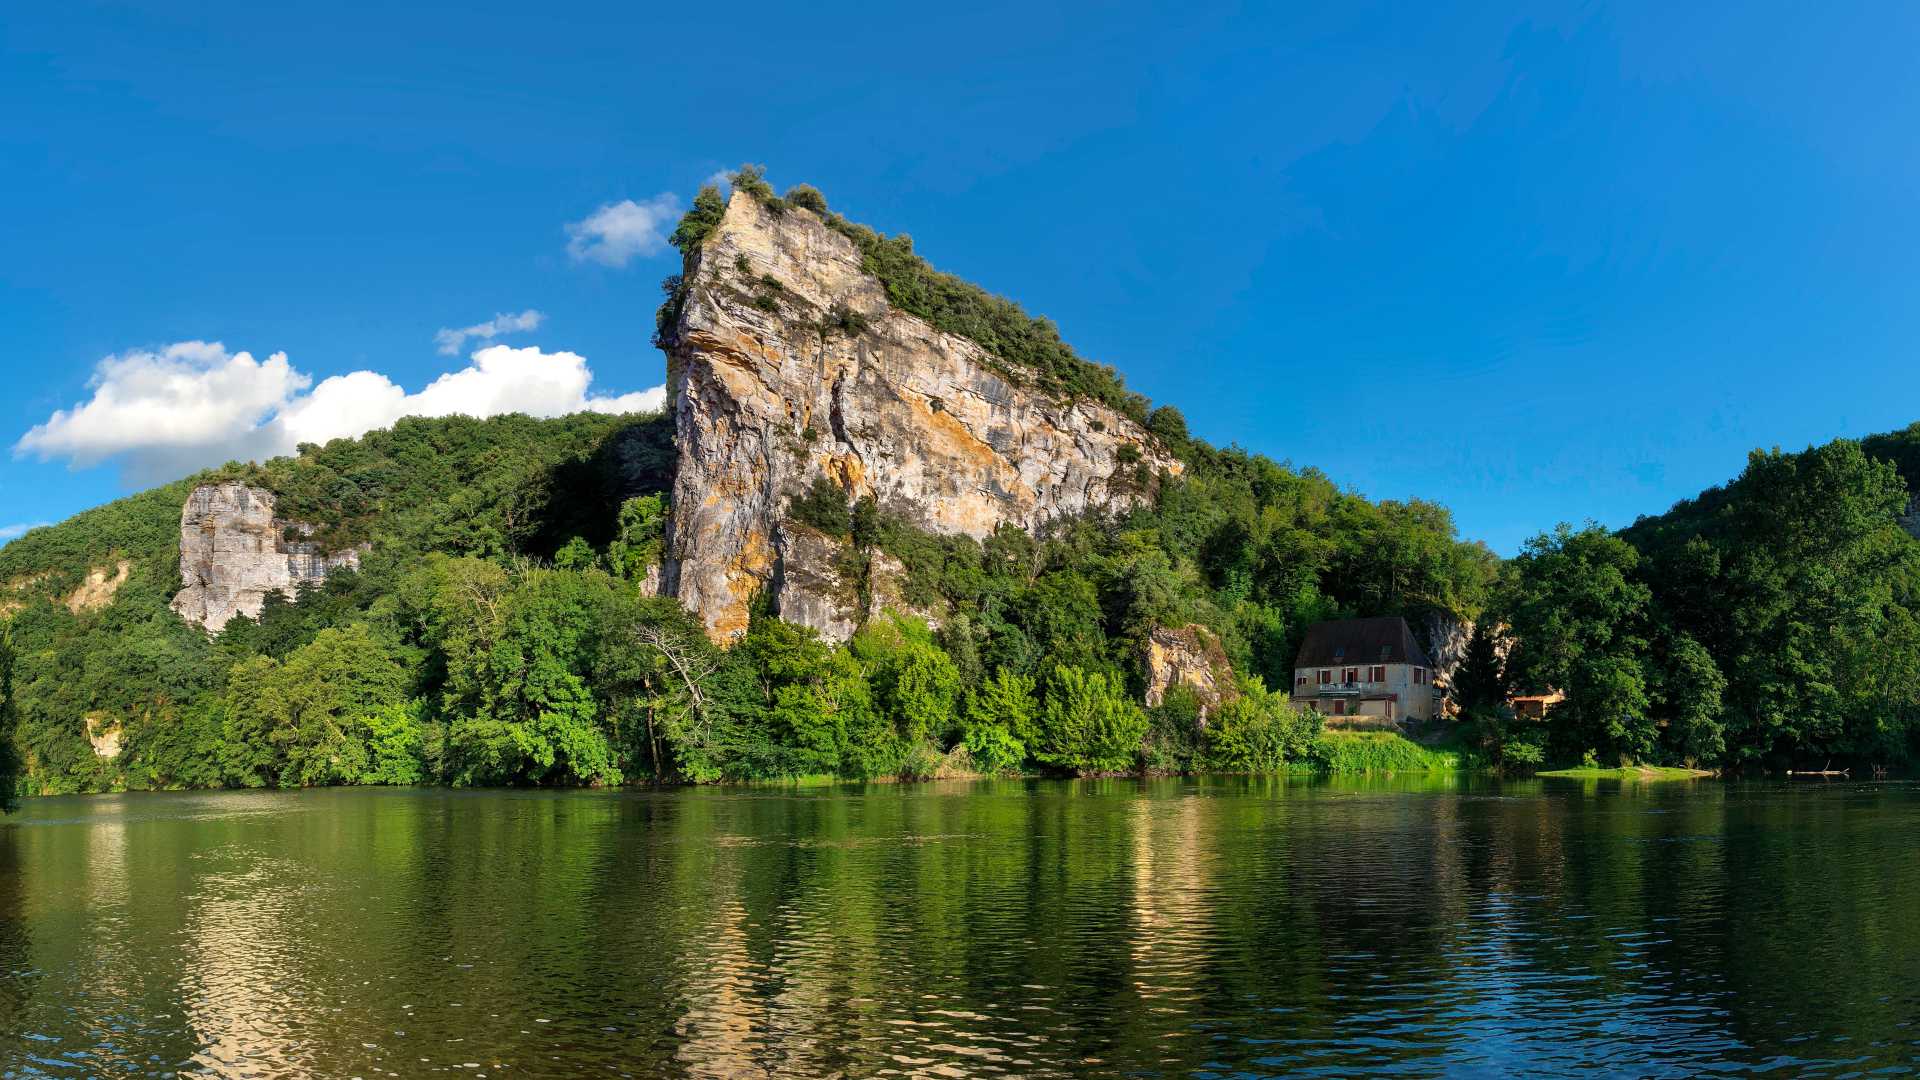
pixel 1429 927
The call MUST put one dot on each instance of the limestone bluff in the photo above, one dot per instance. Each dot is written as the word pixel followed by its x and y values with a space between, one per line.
pixel 787 364
pixel 234 550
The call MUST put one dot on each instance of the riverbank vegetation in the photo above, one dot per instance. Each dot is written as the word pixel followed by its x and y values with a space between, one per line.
pixel 1774 620
pixel 498 630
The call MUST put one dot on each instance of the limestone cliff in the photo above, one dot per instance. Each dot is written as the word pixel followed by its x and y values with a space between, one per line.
pixel 1189 656
pixel 786 363
pixel 234 551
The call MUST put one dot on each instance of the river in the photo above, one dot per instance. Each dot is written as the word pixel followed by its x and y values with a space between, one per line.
pixel 1414 926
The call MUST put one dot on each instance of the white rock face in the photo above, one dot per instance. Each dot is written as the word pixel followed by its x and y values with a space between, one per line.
pixel 765 400
pixel 1189 656
pixel 234 551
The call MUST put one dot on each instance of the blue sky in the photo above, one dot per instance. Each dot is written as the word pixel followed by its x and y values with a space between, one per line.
pixel 1537 263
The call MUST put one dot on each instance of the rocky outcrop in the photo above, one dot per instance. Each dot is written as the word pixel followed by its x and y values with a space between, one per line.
pixel 786 363
pixel 234 551
pixel 104 734
pixel 1188 656
pixel 1445 635
pixel 97 591
pixel 823 582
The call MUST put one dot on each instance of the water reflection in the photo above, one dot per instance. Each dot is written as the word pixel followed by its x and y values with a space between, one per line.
pixel 1411 925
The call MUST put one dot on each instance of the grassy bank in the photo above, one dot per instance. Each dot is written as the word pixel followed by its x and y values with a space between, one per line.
pixel 1629 772
pixel 1378 751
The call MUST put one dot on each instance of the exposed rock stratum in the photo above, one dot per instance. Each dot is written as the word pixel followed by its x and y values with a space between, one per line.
pixel 234 550
pixel 787 363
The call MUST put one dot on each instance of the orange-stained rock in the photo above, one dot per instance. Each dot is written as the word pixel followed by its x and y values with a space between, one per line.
pixel 1188 656
pixel 765 401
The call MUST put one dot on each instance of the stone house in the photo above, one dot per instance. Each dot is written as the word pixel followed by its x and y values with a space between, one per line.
pixel 1365 668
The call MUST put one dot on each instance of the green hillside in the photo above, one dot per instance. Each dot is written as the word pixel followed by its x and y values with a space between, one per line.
pixel 1771 621
pixel 495 490
pixel 498 631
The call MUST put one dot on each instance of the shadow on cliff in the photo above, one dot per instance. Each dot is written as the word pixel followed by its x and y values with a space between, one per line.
pixel 585 493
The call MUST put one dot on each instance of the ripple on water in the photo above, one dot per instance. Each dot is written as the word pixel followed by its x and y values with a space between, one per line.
pixel 1023 930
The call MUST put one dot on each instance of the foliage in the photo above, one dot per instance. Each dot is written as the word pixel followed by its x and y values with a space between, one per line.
pixel 1377 751
pixel 1480 682
pixel 1088 723
pixel 807 197
pixel 305 721
pixel 1259 731
pixel 824 506
pixel 1579 620
pixel 1001 722
pixel 9 760
pixel 709 207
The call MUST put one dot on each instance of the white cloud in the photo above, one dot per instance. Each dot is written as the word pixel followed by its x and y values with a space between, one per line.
pixel 617 232
pixel 163 414
pixel 450 341
pixel 190 403
pixel 15 532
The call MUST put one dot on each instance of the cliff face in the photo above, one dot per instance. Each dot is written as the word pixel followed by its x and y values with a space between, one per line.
pixel 1188 656
pixel 788 364
pixel 234 551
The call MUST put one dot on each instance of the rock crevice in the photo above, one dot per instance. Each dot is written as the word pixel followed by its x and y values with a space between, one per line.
pixel 234 550
pixel 787 363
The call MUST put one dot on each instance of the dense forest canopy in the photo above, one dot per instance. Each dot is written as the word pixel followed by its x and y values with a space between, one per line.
pixel 1769 622
pixel 500 629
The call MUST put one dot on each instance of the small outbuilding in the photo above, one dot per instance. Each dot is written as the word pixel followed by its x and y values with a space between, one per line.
pixel 1372 668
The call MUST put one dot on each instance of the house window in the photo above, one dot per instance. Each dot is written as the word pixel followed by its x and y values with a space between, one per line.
pixel 1351 675
pixel 1419 676
pixel 1300 679
pixel 1325 676
pixel 1340 707
pixel 1379 673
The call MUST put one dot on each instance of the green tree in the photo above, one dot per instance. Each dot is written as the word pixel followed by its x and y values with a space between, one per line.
pixel 1088 724
pixel 1579 623
pixel 517 690
pixel 1001 722
pixel 1480 682
pixel 396 750
pixel 306 720
pixel 1259 731
pixel 9 720
pixel 915 684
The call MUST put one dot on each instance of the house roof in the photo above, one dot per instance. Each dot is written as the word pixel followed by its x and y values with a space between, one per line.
pixel 1384 640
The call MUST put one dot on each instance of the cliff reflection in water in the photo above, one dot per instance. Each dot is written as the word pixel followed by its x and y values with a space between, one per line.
pixel 1438 926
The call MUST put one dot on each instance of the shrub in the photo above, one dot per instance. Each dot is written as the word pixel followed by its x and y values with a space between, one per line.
pixel 698 223
pixel 1259 731
pixel 823 506
pixel 1088 724
pixel 1000 722
pixel 1377 751
pixel 807 197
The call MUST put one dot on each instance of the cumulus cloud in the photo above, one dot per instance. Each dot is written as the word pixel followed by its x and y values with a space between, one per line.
pixel 618 232
pixel 164 413
pixel 450 341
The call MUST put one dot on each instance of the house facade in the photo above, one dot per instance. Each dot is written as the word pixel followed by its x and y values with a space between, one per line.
pixel 1367 668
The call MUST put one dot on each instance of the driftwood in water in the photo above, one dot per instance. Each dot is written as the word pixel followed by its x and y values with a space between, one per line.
pixel 1828 771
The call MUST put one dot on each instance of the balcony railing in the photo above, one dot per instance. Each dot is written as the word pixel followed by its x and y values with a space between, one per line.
pixel 1346 689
